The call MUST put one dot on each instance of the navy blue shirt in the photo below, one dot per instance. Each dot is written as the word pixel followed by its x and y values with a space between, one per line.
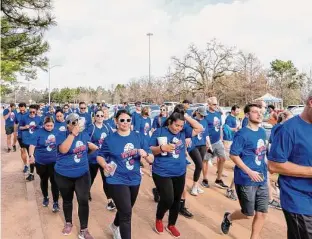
pixel 123 151
pixel 157 122
pixel 111 123
pixel 293 143
pixel 86 118
pixel 136 121
pixel 74 163
pixel 34 125
pixel 214 126
pixel 45 143
pixel 145 127
pixel 173 164
pixel 274 129
pixel 10 120
pixel 245 122
pixel 250 146
pixel 60 126
pixel 17 120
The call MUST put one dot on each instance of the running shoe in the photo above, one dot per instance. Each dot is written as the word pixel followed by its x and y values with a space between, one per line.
pixel 159 227
pixel 156 195
pixel 56 207
pixel 220 184
pixel 30 177
pixel 85 234
pixel 199 190
pixel 205 183
pixel 194 191
pixel 275 204
pixel 226 224
pixel 67 228
pixel 230 194
pixel 14 148
pixel 185 212
pixel 9 150
pixel 25 170
pixel 115 231
pixel 110 206
pixel 45 202
pixel 173 231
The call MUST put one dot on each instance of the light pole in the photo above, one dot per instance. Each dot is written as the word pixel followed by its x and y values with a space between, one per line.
pixel 149 56
pixel 50 68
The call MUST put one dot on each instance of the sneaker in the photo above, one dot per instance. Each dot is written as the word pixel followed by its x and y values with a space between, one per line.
pixel 230 194
pixel 186 213
pixel 225 225
pixel 9 150
pixel 275 204
pixel 159 227
pixel 30 177
pixel 67 228
pixel 220 184
pixel 156 195
pixel 205 183
pixel 14 148
pixel 194 191
pixel 199 190
pixel 85 234
pixel 115 231
pixel 25 170
pixel 110 206
pixel 56 207
pixel 173 231
pixel 45 202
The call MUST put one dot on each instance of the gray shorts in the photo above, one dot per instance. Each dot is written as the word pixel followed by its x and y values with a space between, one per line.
pixel 253 198
pixel 218 151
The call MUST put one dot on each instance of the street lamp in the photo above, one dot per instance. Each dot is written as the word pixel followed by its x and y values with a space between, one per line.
pixel 149 55
pixel 50 68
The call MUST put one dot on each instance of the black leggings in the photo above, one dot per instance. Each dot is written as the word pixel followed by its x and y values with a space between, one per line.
pixel 93 172
pixel 45 172
pixel 197 155
pixel 81 186
pixel 31 165
pixel 170 191
pixel 124 197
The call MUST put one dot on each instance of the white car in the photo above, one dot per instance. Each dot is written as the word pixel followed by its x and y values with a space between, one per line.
pixel 170 105
pixel 297 110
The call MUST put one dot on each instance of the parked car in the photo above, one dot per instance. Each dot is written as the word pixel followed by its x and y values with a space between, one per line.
pixel 290 107
pixel 297 110
pixel 154 113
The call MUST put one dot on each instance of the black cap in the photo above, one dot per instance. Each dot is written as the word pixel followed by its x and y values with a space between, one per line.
pixel 186 102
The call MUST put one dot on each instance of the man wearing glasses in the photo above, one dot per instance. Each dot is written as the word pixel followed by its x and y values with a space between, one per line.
pixel 85 118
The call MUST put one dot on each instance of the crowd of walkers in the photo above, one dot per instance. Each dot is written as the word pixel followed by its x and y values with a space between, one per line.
pixel 69 146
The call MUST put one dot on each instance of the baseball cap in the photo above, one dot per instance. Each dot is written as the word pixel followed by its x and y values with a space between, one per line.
pixel 72 118
pixel 202 110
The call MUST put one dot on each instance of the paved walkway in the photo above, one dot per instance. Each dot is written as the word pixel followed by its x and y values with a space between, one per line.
pixel 24 217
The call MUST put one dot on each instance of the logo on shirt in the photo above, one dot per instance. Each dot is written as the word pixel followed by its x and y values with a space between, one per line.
pixel 129 152
pixel 200 135
pixel 78 151
pixel 178 144
pixel 50 142
pixel 216 123
pixel 12 116
pixel 260 152
pixel 32 127
pixel 82 121
pixel 101 140
pixel 146 128
pixel 62 128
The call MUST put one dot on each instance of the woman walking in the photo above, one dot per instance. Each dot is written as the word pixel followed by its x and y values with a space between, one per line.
pixel 160 119
pixel 60 123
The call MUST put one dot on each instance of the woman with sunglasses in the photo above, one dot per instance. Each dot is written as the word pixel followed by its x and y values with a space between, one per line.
pixel 120 158
pixel 98 132
pixel 43 152
pixel 168 145
pixel 72 173
pixel 109 121
pixel 60 123
pixel 161 118
pixel 29 124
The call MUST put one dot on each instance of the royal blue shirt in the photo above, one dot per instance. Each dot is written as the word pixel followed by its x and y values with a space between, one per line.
pixel 10 120
pixel 34 124
pixel 274 130
pixel 230 121
pixel 123 151
pixel 45 143
pixel 136 121
pixel 214 126
pixel 74 163
pixel 245 122
pixel 18 118
pixel 200 139
pixel 173 164
pixel 111 123
pixel 60 126
pixel 145 127
pixel 157 122
pixel 86 118
pixel 66 114
pixel 293 143
pixel 250 146
pixel 97 136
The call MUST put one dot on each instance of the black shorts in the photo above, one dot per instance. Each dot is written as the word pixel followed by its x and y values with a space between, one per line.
pixel 22 145
pixel 298 226
pixel 9 130
pixel 253 198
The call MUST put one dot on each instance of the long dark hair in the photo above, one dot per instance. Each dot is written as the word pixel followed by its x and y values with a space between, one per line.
pixel 120 112
pixel 174 117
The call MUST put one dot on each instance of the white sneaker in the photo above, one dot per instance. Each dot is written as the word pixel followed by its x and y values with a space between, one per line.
pixel 115 231
pixel 194 191
pixel 199 190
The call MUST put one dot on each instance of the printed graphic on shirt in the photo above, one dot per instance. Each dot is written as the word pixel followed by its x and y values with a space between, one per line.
pixel 216 124
pixel 146 128
pixel 50 142
pixel 129 152
pixel 62 128
pixel 12 116
pixel 260 152
pixel 32 126
pixel 82 120
pixel 101 140
pixel 78 151
pixel 177 143
pixel 200 135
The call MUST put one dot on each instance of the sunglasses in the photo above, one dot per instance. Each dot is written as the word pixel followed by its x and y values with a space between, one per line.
pixel 83 108
pixel 100 116
pixel 163 109
pixel 32 112
pixel 74 123
pixel 124 120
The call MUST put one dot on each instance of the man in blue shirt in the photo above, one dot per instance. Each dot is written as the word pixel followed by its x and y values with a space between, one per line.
pixel 136 117
pixel 250 174
pixel 291 158
pixel 9 115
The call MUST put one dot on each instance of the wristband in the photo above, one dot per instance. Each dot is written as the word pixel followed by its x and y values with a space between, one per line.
pixel 161 149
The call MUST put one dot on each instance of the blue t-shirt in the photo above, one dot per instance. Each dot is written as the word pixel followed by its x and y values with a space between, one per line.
pixel 200 139
pixel 45 143
pixel 250 146
pixel 60 126
pixel 123 151
pixel 145 127
pixel 110 123
pixel 86 118
pixel 97 137
pixel 274 130
pixel 50 115
pixel 34 124
pixel 172 164
pixel 293 143
pixel 136 121
pixel 10 120
pixel 231 122
pixel 66 114
pixel 214 126
pixel 245 122
pixel 17 120
pixel 74 163
pixel 156 122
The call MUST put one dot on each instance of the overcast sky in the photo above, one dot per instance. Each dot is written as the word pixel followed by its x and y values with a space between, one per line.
pixel 103 42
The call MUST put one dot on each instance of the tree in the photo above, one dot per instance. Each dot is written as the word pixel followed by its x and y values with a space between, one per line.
pixel 22 30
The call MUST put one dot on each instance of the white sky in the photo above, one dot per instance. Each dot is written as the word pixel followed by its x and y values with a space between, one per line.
pixel 103 42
